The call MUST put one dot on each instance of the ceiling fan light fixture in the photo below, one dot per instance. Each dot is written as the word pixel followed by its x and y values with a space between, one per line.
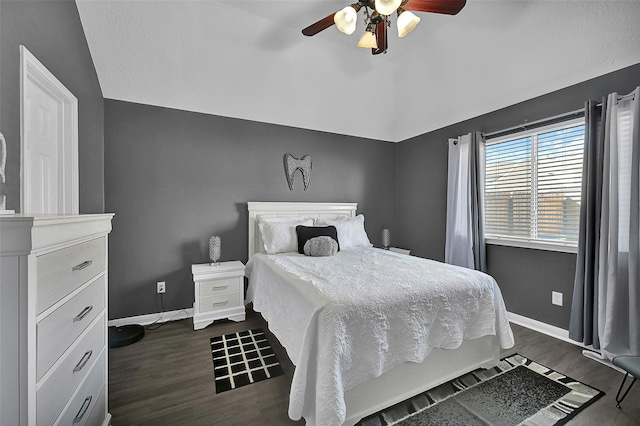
pixel 345 20
pixel 368 40
pixel 407 22
pixel 387 7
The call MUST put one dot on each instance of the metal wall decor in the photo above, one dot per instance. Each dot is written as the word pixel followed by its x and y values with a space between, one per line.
pixel 292 164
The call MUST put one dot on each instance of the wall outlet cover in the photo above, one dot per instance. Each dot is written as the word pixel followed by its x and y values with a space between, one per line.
pixel 556 298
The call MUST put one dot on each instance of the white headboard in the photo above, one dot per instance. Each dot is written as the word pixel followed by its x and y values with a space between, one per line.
pixel 284 209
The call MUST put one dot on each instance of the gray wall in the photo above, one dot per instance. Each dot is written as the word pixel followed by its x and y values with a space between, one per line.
pixel 525 276
pixel 175 178
pixel 52 31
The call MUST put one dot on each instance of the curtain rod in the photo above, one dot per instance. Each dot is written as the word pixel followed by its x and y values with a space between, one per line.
pixel 627 97
pixel 550 120
pixel 534 124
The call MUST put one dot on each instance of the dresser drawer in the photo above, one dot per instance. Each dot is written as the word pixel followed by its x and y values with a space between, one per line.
pixel 228 285
pixel 87 398
pixel 55 392
pixel 219 301
pixel 99 411
pixel 62 271
pixel 57 331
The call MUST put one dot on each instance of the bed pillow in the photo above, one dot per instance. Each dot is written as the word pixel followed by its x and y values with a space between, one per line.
pixel 280 236
pixel 320 246
pixel 351 231
pixel 305 233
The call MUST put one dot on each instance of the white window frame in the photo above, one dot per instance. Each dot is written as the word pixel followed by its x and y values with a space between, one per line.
pixel 530 243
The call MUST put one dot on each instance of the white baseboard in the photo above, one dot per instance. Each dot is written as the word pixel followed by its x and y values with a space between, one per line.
pixel 562 334
pixel 152 318
pixel 542 327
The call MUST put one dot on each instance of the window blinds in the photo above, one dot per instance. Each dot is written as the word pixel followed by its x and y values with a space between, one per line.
pixel 533 184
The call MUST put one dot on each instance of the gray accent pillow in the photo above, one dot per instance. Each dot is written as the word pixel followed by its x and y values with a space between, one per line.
pixel 320 246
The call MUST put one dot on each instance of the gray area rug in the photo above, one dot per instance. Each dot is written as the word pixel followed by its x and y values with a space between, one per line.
pixel 517 391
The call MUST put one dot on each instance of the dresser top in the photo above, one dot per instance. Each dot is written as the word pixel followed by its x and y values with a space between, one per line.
pixel 24 233
pixel 51 218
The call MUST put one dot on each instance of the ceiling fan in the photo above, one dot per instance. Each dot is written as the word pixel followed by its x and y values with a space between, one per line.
pixel 377 13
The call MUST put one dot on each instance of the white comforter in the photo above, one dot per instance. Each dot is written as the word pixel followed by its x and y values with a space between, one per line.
pixel 348 318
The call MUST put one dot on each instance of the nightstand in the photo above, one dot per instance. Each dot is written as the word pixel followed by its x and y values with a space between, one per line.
pixel 219 293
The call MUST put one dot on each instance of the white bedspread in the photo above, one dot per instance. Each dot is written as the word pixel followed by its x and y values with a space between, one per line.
pixel 347 318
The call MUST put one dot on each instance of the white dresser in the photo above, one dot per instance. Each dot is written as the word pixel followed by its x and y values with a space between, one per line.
pixel 219 292
pixel 53 320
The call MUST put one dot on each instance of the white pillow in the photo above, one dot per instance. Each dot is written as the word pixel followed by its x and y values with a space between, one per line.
pixel 351 232
pixel 279 235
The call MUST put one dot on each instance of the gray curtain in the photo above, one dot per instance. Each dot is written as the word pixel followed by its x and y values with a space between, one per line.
pixel 583 325
pixel 464 244
pixel 606 302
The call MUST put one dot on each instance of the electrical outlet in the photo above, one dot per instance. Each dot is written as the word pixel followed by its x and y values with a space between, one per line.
pixel 161 287
pixel 556 298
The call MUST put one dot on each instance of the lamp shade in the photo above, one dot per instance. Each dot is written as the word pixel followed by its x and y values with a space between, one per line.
pixel 407 21
pixel 345 20
pixel 387 7
pixel 367 40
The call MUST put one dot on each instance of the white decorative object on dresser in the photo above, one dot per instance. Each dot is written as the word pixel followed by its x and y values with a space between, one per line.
pixel 53 319
pixel 219 293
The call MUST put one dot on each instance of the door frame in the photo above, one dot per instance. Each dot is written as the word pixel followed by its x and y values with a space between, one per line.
pixel 33 71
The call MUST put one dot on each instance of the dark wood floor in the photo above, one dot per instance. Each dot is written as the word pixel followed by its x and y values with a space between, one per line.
pixel 167 379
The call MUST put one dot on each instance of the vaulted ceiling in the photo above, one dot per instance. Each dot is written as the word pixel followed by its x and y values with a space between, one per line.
pixel 249 60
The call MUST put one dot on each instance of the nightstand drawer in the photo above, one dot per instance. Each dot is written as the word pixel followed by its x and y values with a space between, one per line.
pixel 88 397
pixel 211 287
pixel 219 301
pixel 62 271
pixel 55 392
pixel 57 331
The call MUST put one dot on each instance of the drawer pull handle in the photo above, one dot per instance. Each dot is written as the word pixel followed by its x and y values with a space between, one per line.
pixel 83 314
pixel 83 410
pixel 216 287
pixel 83 265
pixel 220 303
pixel 83 361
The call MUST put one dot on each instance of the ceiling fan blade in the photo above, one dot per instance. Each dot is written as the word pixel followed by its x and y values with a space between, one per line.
pixel 381 38
pixel 448 7
pixel 321 25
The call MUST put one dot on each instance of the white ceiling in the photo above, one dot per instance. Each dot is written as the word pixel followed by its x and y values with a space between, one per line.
pixel 249 60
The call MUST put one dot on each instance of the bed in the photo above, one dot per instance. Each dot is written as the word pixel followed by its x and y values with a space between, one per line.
pixel 368 328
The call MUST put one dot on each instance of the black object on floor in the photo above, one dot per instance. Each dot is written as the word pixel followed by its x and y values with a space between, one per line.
pixel 125 335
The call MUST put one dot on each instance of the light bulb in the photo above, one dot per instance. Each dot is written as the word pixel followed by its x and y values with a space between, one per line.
pixel 368 39
pixel 345 20
pixel 387 7
pixel 407 21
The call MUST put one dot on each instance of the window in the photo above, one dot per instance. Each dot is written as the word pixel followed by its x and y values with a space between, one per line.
pixel 532 188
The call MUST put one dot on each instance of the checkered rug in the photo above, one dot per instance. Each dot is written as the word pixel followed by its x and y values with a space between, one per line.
pixel 243 358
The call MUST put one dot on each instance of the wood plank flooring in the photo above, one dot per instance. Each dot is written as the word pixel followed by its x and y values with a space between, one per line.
pixel 167 379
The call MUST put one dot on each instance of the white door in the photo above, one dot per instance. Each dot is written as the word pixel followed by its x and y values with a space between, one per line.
pixel 49 130
pixel 41 142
